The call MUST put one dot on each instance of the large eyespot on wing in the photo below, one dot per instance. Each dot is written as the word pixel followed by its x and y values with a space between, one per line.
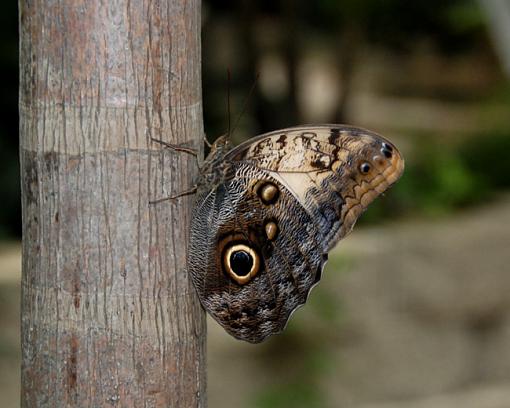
pixel 334 171
pixel 263 257
pixel 241 262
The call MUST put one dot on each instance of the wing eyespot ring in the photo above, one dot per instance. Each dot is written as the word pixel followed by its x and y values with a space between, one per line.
pixel 365 167
pixel 271 230
pixel 268 193
pixel 241 263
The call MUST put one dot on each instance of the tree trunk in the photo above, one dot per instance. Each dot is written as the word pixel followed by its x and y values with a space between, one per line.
pixel 109 317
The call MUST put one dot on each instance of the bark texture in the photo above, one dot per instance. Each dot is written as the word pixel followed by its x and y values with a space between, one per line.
pixel 109 317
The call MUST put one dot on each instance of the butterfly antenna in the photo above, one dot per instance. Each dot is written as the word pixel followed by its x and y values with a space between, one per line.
pixel 228 100
pixel 245 103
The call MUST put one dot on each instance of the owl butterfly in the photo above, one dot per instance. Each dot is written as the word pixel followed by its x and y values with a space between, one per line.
pixel 268 211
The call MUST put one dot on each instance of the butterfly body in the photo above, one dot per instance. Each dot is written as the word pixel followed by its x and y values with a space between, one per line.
pixel 267 212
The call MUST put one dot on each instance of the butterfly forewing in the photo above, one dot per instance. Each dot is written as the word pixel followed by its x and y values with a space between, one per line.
pixel 321 166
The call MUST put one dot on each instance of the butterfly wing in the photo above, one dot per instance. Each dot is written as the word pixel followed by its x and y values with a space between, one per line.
pixel 260 236
pixel 254 216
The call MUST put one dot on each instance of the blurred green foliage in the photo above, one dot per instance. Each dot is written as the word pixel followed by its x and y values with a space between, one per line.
pixel 298 394
pixel 396 23
pixel 299 387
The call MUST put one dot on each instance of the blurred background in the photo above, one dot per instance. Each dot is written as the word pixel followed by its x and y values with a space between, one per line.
pixel 414 306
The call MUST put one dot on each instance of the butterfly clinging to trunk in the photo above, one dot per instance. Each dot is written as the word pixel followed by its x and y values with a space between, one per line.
pixel 267 212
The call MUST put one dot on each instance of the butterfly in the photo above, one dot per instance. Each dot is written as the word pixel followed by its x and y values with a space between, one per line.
pixel 267 212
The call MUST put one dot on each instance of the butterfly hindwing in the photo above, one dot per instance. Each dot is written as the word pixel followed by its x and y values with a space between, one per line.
pixel 253 213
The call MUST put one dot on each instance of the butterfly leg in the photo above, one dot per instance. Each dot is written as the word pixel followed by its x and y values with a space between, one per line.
pixel 191 191
pixel 209 145
pixel 187 150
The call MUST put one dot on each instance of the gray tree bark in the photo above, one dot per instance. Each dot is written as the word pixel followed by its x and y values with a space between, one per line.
pixel 109 317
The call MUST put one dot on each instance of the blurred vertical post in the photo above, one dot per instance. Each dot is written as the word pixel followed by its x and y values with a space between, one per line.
pixel 498 13
pixel 109 316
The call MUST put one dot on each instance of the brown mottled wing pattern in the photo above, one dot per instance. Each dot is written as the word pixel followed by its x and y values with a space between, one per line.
pixel 291 261
pixel 267 212
pixel 320 165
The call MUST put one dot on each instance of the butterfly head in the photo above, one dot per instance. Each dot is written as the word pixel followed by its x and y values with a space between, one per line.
pixel 216 155
pixel 222 143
